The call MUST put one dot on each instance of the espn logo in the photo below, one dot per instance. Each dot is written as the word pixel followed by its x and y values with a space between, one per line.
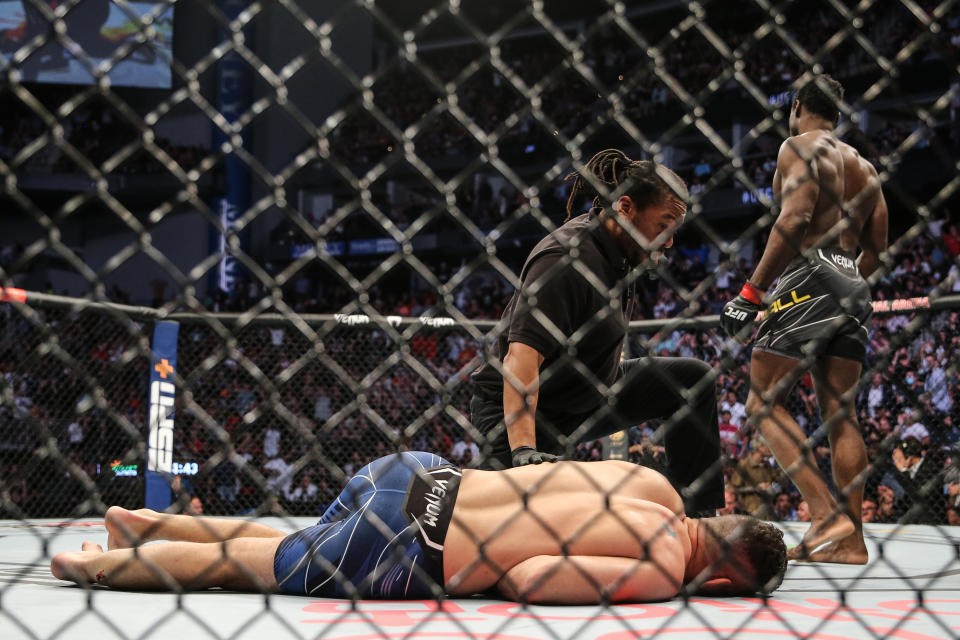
pixel 160 440
pixel 737 314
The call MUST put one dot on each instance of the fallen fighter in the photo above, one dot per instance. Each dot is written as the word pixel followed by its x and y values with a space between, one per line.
pixel 412 526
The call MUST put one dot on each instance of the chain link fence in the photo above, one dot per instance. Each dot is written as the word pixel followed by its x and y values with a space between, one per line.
pixel 394 165
pixel 69 455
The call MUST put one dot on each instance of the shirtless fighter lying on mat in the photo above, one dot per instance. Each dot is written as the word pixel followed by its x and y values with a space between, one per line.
pixel 412 526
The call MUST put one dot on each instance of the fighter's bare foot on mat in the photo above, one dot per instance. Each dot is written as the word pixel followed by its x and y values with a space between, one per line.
pixel 71 565
pixel 126 528
pixel 850 550
pixel 831 529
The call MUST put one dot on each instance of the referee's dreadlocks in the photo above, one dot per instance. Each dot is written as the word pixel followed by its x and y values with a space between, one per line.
pixel 647 183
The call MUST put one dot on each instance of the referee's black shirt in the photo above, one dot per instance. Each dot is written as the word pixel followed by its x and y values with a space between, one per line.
pixel 573 295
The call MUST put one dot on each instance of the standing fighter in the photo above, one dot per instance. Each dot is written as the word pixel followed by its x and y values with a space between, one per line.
pixel 831 203
pixel 566 326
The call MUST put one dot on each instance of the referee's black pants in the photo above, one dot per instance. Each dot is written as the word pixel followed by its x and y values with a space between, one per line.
pixel 679 391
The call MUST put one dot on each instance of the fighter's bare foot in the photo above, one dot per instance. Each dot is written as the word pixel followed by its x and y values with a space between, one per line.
pixel 127 528
pixel 822 531
pixel 72 565
pixel 850 550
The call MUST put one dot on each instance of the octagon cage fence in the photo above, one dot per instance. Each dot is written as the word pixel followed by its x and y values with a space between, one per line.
pixel 304 220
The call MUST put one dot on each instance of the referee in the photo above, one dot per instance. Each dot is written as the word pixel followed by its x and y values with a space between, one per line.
pixel 563 334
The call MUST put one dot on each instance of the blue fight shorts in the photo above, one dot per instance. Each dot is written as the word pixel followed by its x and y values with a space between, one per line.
pixel 370 543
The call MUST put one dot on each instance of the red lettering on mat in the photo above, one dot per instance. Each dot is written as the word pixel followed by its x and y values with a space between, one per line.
pixel 403 613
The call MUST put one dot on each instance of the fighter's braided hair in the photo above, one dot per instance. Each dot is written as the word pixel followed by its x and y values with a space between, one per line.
pixel 648 183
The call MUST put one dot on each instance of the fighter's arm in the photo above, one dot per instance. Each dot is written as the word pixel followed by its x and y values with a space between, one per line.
pixel 521 378
pixel 591 579
pixel 800 189
pixel 873 238
pixel 547 312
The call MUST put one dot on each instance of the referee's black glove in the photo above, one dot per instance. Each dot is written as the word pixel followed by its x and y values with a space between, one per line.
pixel 740 313
pixel 528 455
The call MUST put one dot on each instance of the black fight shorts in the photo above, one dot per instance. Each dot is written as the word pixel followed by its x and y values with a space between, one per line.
pixel 821 307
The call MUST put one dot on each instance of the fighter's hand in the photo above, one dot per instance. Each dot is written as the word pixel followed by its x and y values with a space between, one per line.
pixel 523 456
pixel 741 312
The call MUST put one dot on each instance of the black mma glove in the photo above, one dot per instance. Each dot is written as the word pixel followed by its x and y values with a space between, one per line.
pixel 740 312
pixel 528 455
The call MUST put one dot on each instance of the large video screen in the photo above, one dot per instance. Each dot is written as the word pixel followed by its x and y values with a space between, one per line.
pixel 102 29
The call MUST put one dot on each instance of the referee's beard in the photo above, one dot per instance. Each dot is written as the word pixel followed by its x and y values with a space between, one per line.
pixel 633 252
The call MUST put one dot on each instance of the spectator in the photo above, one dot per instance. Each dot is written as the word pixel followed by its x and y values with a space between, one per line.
pixel 195 506
pixel 353 465
pixel 868 512
pixel 953 515
pixel 271 442
pixel 887 511
pixel 725 276
pixel 227 483
pixel 876 394
pixel 279 476
pixel 755 481
pixel 729 432
pixel 321 407
pixel 649 455
pixel 464 451
pixel 951 480
pixel 783 508
pixel 937 385
pixel 910 390
pixel 916 483
pixel 730 503
pixel 738 411
pixel 305 491
pixel 75 435
pixel 803 511
pixel 951 241
pixel 911 427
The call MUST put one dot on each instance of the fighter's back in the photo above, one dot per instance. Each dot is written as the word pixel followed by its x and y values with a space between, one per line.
pixel 861 194
pixel 818 155
pixel 588 509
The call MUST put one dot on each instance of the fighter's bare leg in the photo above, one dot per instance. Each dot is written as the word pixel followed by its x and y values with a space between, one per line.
pixel 130 528
pixel 771 377
pixel 244 564
pixel 836 381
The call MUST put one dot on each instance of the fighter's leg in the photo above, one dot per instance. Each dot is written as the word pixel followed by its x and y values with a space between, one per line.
pixel 393 469
pixel 692 437
pixel 244 564
pixel 771 377
pixel 682 392
pixel 836 382
pixel 131 528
